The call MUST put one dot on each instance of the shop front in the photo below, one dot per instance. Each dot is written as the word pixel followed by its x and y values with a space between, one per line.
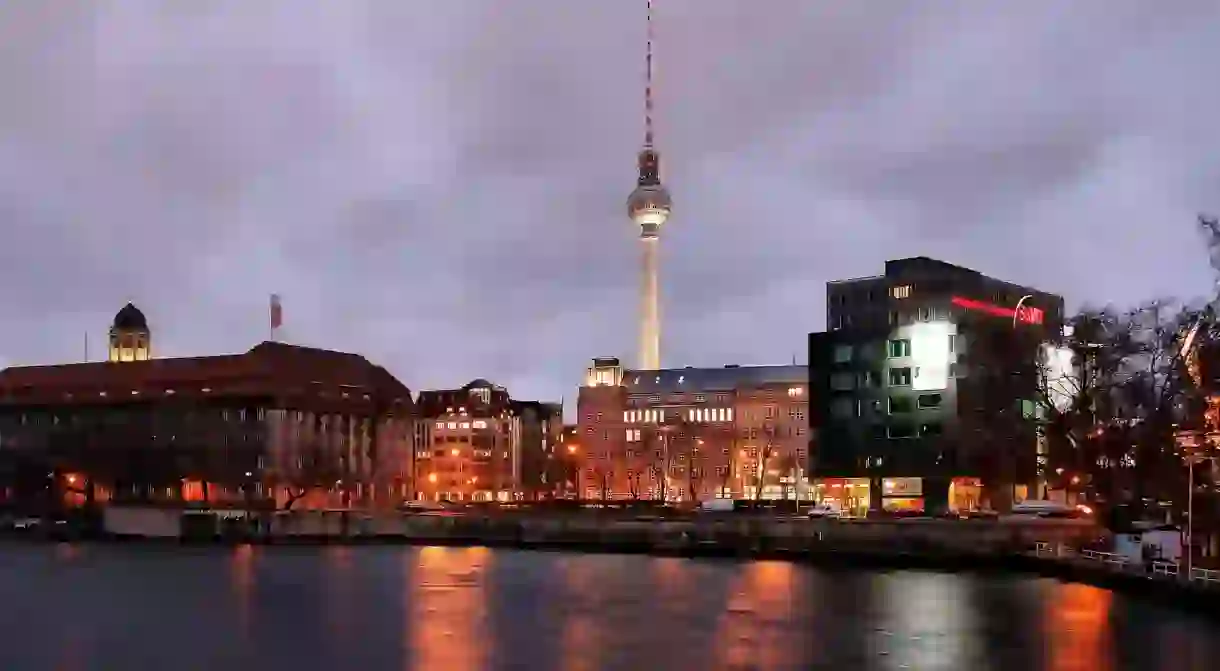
pixel 848 495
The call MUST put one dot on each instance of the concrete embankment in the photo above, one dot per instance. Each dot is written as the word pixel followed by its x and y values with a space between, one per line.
pixel 965 545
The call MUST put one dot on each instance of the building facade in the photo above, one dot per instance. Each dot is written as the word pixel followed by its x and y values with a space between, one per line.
pixel 278 425
pixel 691 434
pixel 919 396
pixel 481 445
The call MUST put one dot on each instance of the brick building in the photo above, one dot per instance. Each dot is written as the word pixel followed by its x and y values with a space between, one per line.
pixel 694 433
pixel 278 423
pixel 481 445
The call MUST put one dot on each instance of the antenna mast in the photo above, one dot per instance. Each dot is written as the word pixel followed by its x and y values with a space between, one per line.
pixel 648 81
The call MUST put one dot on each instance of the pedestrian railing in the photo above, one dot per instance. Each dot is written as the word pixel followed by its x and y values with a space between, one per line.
pixel 1108 558
pixel 1208 576
pixel 1159 569
pixel 1165 569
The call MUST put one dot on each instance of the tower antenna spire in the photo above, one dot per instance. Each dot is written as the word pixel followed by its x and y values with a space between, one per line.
pixel 648 129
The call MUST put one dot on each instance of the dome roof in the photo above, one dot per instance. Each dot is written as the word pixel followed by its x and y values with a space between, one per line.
pixel 130 319
pixel 478 383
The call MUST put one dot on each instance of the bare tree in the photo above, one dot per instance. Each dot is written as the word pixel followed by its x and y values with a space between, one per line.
pixel 315 469
pixel 761 469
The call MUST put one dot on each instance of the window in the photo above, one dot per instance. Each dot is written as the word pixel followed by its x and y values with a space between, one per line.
pixel 901 291
pixel 842 354
pixel 842 381
pixel 843 406
pixel 900 377
pixel 929 400
pixel 796 413
pixel 931 429
pixel 900 404
pixel 796 392
pixel 870 378
pixel 900 348
pixel 700 398
pixel 901 431
pixel 771 412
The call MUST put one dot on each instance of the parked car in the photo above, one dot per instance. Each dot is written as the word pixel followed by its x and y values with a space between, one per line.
pixel 824 511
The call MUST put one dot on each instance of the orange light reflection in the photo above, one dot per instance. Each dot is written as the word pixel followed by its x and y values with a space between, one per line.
pixel 241 581
pixel 446 595
pixel 1078 634
pixel 761 595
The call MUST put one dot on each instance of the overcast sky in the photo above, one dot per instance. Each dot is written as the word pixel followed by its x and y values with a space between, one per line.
pixel 440 185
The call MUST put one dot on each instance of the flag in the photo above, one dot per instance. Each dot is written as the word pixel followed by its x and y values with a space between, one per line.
pixel 277 312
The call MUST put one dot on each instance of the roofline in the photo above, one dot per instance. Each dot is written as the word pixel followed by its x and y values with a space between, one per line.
pixel 856 279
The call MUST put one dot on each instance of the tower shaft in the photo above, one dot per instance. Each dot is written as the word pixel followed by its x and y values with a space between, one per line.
pixel 650 305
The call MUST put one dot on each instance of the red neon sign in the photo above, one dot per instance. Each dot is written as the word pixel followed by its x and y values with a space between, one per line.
pixel 1026 314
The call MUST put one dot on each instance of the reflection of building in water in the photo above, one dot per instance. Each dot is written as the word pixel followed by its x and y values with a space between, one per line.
pixel 130 338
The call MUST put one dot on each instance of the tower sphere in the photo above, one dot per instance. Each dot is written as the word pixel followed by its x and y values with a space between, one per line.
pixel 649 206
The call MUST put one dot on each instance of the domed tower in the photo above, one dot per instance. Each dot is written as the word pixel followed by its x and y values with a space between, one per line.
pixel 130 339
pixel 649 206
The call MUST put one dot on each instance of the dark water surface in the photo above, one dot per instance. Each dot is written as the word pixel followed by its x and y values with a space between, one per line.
pixel 452 609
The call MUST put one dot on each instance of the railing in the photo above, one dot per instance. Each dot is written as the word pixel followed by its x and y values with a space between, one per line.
pixel 1209 577
pixel 1108 558
pixel 1165 569
pixel 1159 569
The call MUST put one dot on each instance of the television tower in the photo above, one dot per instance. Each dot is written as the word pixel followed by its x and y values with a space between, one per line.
pixel 649 206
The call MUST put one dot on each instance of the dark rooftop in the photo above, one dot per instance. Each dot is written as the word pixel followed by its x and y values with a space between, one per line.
pixel 711 379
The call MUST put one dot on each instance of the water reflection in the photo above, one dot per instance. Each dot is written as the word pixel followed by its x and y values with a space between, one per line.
pixel 241 583
pixel 581 642
pixel 1076 622
pixel 339 593
pixel 750 633
pixel 923 621
pixel 137 607
pixel 446 600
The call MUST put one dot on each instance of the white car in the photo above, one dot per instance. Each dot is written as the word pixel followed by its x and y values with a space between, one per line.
pixel 824 511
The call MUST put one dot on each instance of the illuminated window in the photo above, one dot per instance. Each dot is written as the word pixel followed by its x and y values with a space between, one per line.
pixel 479 424
pixel 899 348
pixel 900 377
pixel 452 425
pixel 901 291
pixel 929 400
pixel 795 392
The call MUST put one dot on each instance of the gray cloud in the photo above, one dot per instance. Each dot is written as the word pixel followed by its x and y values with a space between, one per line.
pixel 442 187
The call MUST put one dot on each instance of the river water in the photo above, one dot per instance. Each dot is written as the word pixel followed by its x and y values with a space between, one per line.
pixel 123 608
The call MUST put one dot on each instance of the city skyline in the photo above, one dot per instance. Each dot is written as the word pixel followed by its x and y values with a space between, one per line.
pixel 445 197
